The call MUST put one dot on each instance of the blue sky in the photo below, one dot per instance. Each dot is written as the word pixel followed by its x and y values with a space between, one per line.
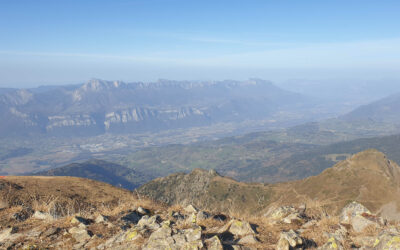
pixel 57 42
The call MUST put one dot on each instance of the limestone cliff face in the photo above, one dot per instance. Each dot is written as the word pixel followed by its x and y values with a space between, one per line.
pixel 70 121
pixel 115 106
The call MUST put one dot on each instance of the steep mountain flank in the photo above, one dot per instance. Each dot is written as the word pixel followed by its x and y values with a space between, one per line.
pixel 99 170
pixel 384 110
pixel 368 177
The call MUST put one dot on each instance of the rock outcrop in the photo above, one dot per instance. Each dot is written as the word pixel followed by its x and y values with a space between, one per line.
pixel 163 229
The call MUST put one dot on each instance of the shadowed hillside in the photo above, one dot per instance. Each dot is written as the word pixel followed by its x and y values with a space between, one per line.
pixel 99 170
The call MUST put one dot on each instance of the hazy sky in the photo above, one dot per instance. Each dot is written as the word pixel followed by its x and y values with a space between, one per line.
pixel 54 42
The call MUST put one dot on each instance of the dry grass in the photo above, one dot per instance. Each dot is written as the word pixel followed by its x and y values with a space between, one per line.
pixel 3 203
pixel 65 196
pixel 371 230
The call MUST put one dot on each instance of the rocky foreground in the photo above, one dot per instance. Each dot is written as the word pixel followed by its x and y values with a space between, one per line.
pixel 140 227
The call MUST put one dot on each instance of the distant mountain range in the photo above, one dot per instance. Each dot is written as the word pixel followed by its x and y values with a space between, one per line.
pixel 98 106
pixel 383 110
pixel 290 154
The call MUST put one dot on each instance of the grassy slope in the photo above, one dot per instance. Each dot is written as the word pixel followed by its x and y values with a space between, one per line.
pixel 63 194
pixel 367 177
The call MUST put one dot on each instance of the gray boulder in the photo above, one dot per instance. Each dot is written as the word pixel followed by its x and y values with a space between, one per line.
pixel 241 228
pixel 352 210
pixel 289 239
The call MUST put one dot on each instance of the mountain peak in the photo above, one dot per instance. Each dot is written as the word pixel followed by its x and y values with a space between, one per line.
pixel 200 171
pixel 372 160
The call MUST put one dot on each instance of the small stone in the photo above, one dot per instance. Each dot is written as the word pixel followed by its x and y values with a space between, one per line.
pixel 79 234
pixel 292 218
pixel 193 234
pixel 160 239
pixel 241 228
pixel 291 237
pixel 280 212
pixel 283 244
pixel 190 209
pixel 100 218
pixel 214 243
pixel 42 216
pixel 150 222
pixel 143 211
